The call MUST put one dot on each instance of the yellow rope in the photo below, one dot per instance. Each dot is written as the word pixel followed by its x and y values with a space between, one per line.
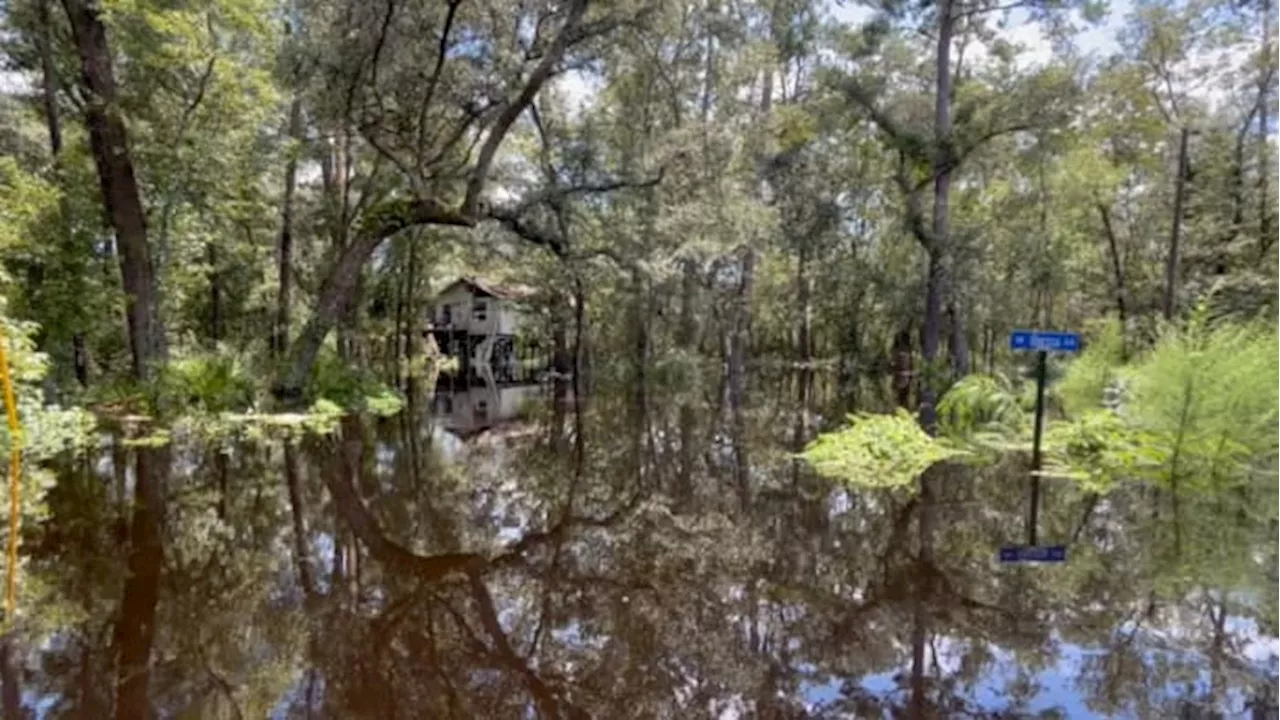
pixel 15 488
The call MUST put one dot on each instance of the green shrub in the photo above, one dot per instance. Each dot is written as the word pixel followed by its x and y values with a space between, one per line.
pixel 212 382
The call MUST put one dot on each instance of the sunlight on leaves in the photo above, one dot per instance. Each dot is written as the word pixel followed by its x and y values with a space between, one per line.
pixel 879 451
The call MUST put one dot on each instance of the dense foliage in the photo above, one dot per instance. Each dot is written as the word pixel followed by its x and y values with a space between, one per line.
pixel 222 224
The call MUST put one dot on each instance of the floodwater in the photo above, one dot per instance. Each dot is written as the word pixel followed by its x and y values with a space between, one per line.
pixel 653 551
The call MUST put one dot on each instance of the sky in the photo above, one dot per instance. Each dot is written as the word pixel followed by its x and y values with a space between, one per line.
pixel 1099 40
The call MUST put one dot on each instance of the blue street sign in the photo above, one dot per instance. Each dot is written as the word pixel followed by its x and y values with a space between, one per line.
pixel 1033 553
pixel 1044 341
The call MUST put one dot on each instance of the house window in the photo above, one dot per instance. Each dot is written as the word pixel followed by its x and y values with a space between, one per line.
pixel 480 311
pixel 446 315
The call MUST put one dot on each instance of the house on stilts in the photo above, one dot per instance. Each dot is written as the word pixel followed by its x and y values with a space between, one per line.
pixel 478 322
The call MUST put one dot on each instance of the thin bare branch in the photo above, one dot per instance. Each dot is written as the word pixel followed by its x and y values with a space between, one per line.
pixel 201 88
pixel 429 96
pixel 977 10
pixel 382 39
pixel 512 217
pixel 529 232
pixel 368 131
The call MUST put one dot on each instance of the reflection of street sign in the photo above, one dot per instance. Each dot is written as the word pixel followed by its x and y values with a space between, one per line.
pixel 1041 342
pixel 1044 341
pixel 1033 553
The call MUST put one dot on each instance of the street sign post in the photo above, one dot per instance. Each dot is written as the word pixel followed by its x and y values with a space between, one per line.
pixel 1048 553
pixel 1041 342
pixel 1044 341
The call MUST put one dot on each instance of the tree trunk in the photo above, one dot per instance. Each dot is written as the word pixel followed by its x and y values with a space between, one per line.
pixel 11 678
pixel 902 369
pixel 737 380
pixel 936 289
pixel 1235 189
pixel 339 286
pixel 215 296
pixel 339 200
pixel 394 343
pixel 1173 259
pixel 960 361
pixel 339 573
pixel 560 360
pixel 353 515
pixel 687 340
pixel 284 252
pixel 135 628
pixel 49 80
pixel 1216 647
pixel 350 343
pixel 1264 120
pixel 1117 269
pixel 297 507
pixel 939 254
pixel 410 309
pixel 579 338
pixel 804 299
pixel 80 359
pixel 220 467
pixel 639 418
pixel 121 197
pixel 53 123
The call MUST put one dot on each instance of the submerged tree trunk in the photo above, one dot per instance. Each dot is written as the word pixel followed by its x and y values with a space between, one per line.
pixel 297 506
pixel 10 678
pixel 135 628
pixel 1173 258
pixel 1216 653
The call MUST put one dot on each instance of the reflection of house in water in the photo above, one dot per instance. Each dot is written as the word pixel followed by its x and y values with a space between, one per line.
pixel 477 322
pixel 471 411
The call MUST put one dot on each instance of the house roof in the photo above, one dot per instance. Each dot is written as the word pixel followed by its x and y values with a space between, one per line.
pixel 510 291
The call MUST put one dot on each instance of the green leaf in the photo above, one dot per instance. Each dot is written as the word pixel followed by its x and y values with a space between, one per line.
pixel 886 451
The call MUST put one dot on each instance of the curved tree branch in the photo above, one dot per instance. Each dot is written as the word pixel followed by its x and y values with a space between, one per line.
pixel 517 105
pixel 440 566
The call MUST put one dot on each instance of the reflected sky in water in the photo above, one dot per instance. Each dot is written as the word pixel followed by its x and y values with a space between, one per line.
pixel 652 551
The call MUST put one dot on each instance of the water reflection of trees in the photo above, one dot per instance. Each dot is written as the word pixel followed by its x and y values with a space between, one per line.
pixel 656 553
